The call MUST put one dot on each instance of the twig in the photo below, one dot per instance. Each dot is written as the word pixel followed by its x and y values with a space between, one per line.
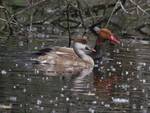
pixel 31 13
pixel 68 24
pixel 123 7
pixel 80 14
pixel 118 3
pixel 141 9
pixel 90 12
pixel 20 12
pixel 115 7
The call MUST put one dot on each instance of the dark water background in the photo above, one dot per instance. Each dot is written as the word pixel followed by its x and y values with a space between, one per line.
pixel 120 85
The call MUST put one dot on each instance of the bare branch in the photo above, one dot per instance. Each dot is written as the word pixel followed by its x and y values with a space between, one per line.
pixel 141 9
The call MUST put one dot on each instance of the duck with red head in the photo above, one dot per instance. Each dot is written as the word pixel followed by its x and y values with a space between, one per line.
pixel 104 34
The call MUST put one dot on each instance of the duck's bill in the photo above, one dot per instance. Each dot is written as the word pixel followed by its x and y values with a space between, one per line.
pixel 90 49
pixel 114 40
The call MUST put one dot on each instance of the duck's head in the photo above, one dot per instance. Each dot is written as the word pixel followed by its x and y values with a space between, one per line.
pixel 80 43
pixel 106 34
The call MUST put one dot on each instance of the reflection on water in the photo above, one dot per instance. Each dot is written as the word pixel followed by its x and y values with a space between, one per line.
pixel 120 85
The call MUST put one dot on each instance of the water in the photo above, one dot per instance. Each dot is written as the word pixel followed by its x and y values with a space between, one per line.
pixel 119 85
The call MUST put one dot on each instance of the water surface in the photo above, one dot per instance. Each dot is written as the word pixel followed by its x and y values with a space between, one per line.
pixel 119 85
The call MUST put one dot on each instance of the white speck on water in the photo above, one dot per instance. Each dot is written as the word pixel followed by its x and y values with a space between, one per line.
pixel 142 63
pixel 47 78
pixel 65 86
pixel 62 95
pixel 56 105
pixel 128 79
pixel 62 89
pixel 128 49
pixel 131 63
pixel 12 98
pixel 36 71
pixel 24 90
pixel 88 85
pixel 43 78
pixel 29 79
pixel 101 62
pixel 20 105
pixel 102 102
pixel 14 87
pixel 108 69
pixel 118 62
pixel 96 65
pixel 90 93
pixel 3 72
pixel 132 73
pixel 116 86
pixel 120 100
pixel 50 11
pixel 109 73
pixel 30 108
pixel 117 51
pixel 16 65
pixel 21 43
pixel 42 96
pixel 138 68
pixel 102 67
pixel 71 104
pixel 141 107
pixel 128 93
pixel 126 72
pixel 94 102
pixel 107 105
pixel 91 110
pixel 144 81
pixel 149 68
pixel 113 69
pixel 41 108
pixel 38 102
pixel 67 99
pixel 51 101
pixel 77 98
pixel 134 106
pixel 135 89
pixel 26 64
pixel 124 86
pixel 53 111
pixel 35 48
pixel 56 98
pixel 143 90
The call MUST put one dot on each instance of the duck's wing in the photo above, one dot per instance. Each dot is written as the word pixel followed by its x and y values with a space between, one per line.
pixel 56 55
pixel 65 50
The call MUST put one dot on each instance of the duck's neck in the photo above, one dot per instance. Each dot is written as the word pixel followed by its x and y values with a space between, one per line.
pixel 81 53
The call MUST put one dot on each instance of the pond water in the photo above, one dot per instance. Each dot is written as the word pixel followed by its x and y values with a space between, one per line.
pixel 120 85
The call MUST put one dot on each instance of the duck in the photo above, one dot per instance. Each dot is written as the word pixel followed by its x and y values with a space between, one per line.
pixel 104 35
pixel 79 54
